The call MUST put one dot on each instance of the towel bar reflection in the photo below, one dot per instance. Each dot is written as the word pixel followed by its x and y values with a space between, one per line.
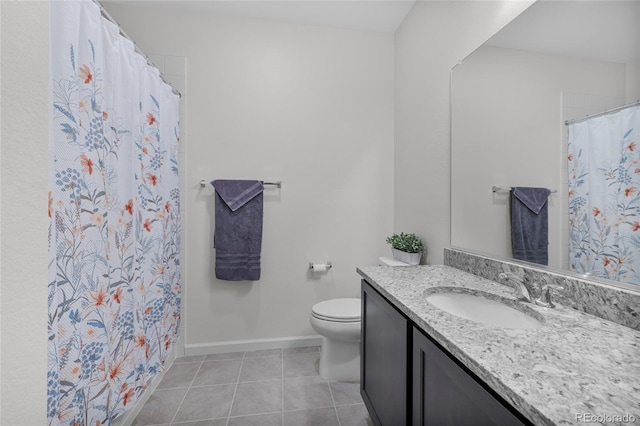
pixel 277 183
pixel 500 189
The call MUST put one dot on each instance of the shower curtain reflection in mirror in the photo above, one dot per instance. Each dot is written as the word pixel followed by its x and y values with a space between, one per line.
pixel 604 195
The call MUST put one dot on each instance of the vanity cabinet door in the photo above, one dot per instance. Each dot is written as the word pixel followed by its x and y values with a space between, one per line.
pixel 383 359
pixel 446 394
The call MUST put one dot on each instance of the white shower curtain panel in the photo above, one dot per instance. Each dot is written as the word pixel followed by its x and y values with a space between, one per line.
pixel 604 196
pixel 114 290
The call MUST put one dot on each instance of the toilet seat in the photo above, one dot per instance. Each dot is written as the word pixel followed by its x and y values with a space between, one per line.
pixel 338 310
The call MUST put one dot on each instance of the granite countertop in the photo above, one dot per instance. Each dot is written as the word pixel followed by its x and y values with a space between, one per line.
pixel 574 365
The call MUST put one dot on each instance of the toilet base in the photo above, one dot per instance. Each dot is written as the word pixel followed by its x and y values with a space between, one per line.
pixel 340 361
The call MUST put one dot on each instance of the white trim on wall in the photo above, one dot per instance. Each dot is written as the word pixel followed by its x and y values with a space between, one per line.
pixel 252 345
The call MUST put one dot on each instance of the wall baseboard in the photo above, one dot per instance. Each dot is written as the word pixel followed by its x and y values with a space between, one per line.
pixel 251 345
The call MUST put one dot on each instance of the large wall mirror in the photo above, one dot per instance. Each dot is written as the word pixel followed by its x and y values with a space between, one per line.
pixel 557 61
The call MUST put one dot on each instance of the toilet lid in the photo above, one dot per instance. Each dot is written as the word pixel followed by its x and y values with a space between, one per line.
pixel 346 310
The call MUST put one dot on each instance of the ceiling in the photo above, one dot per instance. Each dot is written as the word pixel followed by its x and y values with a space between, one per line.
pixel 599 30
pixel 587 29
pixel 366 15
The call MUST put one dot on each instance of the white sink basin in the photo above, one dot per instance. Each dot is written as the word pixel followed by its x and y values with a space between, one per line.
pixel 485 308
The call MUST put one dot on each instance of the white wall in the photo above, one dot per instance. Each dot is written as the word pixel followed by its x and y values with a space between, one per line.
pixel 633 81
pixel 24 166
pixel 508 131
pixel 633 67
pixel 310 106
pixel 432 39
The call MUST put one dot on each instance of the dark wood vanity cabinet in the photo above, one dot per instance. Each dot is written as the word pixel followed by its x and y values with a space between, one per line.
pixel 384 360
pixel 444 393
pixel 408 379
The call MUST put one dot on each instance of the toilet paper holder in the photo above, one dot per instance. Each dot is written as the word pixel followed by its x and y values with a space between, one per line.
pixel 320 267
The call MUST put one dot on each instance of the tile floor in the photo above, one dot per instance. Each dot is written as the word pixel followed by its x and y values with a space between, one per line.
pixel 271 387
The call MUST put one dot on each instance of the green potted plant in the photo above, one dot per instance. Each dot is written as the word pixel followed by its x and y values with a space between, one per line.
pixel 406 248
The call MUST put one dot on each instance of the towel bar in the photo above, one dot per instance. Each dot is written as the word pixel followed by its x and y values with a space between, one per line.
pixel 277 183
pixel 499 189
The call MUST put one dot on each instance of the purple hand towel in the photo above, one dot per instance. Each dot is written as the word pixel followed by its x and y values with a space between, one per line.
pixel 238 229
pixel 529 224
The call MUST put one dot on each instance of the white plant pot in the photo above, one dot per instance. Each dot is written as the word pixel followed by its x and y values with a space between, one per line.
pixel 403 256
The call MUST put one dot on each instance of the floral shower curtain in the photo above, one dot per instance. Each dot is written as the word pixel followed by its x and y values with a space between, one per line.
pixel 604 196
pixel 114 238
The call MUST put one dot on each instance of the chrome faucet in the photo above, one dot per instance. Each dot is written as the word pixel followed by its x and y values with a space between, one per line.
pixel 526 292
pixel 522 290
pixel 545 295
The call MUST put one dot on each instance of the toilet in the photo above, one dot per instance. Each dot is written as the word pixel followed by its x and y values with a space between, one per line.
pixel 338 322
